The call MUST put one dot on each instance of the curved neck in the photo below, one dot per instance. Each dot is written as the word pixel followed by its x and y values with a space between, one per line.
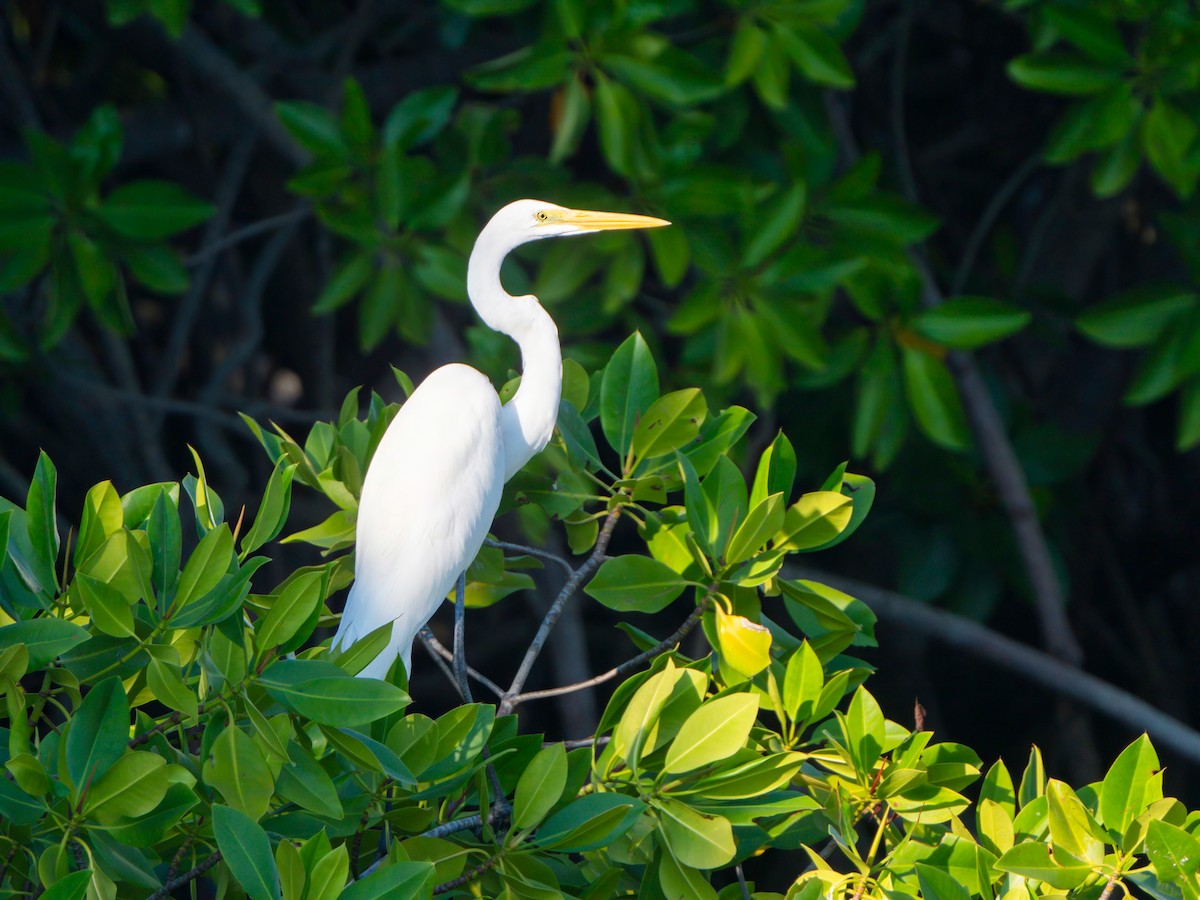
pixel 528 419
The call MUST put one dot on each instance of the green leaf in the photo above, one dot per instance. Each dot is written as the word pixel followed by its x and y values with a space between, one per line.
pixel 1127 787
pixel 934 400
pixel 156 266
pixel 1071 825
pixel 166 545
pixel 347 282
pixel 617 114
pixel 206 566
pixel 816 54
pixel 132 788
pixel 814 520
pixel 418 117
pixel 1169 136
pixel 761 524
pixel 540 787
pixel 966 323
pixel 108 607
pixel 166 683
pixel 152 210
pixel 1137 318
pixel 670 422
pixel 246 850
pixel 779 222
pixel 589 822
pixel 673 76
pixel 398 879
pixel 1174 852
pixel 98 734
pixel 865 730
pixel 936 882
pixel 1032 860
pixel 341 701
pixel 305 782
pixel 635 583
pixel 1033 779
pixel 715 731
pixel 102 516
pixel 745 51
pixel 802 683
pixel 532 68
pixel 776 471
pixel 693 838
pixel 43 638
pixel 237 768
pixel 73 886
pixel 1095 35
pixel 41 521
pixel 1061 73
pixel 272 511
pixel 291 608
pixel 315 127
pixel 642 712
pixel 17 807
pixel 627 389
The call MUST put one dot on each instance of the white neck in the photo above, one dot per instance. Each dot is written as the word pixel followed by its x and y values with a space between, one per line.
pixel 528 419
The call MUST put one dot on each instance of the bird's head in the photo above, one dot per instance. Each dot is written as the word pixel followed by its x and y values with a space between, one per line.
pixel 531 220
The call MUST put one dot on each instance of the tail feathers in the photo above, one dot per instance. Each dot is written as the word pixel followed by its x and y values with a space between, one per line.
pixel 400 645
pixel 349 631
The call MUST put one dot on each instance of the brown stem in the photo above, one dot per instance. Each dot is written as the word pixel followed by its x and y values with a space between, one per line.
pixel 1109 887
pixel 629 665
pixel 186 878
pixel 468 876
pixel 568 590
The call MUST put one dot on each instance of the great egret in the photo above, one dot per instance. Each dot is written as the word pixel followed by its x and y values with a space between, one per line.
pixel 434 484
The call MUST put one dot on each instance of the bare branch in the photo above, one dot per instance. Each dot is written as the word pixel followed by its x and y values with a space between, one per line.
pixel 1036 665
pixel 186 877
pixel 245 233
pixel 437 649
pixel 468 876
pixel 628 666
pixel 532 551
pixel 572 584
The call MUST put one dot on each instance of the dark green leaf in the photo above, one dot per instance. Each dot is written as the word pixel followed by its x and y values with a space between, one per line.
pixel 152 209
pixel 635 583
pixel 98 734
pixel 246 850
pixel 628 388
pixel 966 323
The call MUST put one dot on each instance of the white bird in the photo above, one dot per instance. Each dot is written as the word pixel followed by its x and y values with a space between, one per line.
pixel 434 484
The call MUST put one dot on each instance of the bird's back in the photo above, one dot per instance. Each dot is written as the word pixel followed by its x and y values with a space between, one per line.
pixel 428 500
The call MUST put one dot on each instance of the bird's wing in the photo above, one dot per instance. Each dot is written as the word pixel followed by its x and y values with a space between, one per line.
pixel 428 500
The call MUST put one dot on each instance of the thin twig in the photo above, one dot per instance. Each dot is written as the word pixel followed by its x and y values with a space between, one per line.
pixel 532 551
pixel 198 52
pixel 186 877
pixel 167 375
pixel 988 218
pixel 573 583
pixel 628 666
pixel 1005 469
pixel 741 877
pixel 468 876
pixel 245 233
pixel 438 650
pixel 499 813
pixel 460 639
pixel 1036 665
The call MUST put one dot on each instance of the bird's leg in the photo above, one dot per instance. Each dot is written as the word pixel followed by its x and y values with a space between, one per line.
pixel 460 653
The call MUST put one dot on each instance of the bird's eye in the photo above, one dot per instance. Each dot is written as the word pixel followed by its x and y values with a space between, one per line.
pixel 543 216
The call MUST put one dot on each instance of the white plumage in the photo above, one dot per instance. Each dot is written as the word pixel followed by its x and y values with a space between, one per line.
pixel 434 484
